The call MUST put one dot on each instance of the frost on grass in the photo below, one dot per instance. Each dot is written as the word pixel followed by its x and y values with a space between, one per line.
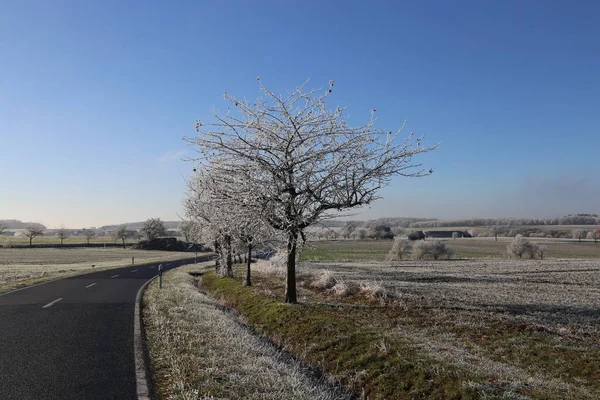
pixel 557 294
pixel 20 267
pixel 197 350
pixel 542 316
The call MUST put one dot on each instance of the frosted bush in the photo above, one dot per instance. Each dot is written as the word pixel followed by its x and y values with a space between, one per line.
pixel 433 249
pixel 400 250
pixel 520 247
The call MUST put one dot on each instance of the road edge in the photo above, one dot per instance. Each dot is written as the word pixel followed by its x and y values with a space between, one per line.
pixel 143 264
pixel 141 376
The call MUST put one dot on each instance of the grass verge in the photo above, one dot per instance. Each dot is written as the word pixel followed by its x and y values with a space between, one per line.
pixel 199 350
pixel 395 349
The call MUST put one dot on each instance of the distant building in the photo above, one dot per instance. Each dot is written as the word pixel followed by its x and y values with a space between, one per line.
pixel 446 234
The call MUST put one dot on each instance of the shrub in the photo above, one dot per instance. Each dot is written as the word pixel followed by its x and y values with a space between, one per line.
pixel 416 235
pixel 400 250
pixel 520 246
pixel 431 250
pixel 361 234
pixel 381 232
pixel 541 251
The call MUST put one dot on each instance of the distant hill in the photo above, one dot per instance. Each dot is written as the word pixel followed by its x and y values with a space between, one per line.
pixel 140 225
pixel 16 224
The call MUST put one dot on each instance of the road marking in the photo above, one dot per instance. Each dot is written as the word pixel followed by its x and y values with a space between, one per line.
pixel 90 285
pixel 154 266
pixel 52 303
pixel 135 270
pixel 114 276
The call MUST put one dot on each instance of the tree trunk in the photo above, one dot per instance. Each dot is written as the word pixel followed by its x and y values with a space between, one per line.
pixel 248 281
pixel 290 285
pixel 217 247
pixel 496 237
pixel 123 242
pixel 229 257
pixel 30 240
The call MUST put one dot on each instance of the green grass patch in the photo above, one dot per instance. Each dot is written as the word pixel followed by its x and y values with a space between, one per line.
pixel 398 350
pixel 376 250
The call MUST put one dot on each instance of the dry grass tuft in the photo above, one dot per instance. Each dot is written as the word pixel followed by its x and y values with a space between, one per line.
pixel 342 288
pixel 325 280
pixel 268 268
pixel 374 291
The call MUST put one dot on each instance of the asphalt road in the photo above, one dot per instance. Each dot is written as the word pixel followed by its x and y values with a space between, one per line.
pixel 72 338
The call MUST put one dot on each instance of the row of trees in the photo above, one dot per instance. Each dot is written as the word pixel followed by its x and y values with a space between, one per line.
pixel 352 230
pixel 573 219
pixel 152 229
pixel 276 166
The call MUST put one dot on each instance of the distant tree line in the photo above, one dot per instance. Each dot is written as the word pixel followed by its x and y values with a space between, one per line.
pixel 392 222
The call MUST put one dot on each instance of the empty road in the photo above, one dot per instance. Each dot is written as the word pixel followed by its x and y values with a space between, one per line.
pixel 72 338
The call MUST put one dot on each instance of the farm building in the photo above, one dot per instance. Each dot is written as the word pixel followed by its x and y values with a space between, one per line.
pixel 446 234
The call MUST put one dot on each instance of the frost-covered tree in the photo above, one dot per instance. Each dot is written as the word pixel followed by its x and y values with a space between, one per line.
pixel 208 204
pixel 190 230
pixel 300 162
pixel 361 234
pixel 62 234
pixel 3 227
pixel 495 231
pixel 88 234
pixel 121 234
pixel 594 235
pixel 348 228
pixel 578 234
pixel 381 232
pixel 153 228
pixel 34 230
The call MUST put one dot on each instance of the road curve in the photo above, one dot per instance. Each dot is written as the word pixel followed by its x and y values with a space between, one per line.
pixel 73 338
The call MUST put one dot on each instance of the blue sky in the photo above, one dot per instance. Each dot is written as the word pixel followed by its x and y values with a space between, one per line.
pixel 95 97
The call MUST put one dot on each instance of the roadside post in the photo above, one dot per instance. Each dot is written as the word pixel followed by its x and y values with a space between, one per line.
pixel 160 272
pixel 196 258
pixel 132 260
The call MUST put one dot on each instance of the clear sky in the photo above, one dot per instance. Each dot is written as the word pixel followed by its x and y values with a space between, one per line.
pixel 96 95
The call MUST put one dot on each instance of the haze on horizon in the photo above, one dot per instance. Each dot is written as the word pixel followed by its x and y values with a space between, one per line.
pixel 95 97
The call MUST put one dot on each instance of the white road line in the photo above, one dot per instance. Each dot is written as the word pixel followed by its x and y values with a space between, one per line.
pixel 52 303
pixel 135 270
pixel 114 276
pixel 90 285
pixel 140 369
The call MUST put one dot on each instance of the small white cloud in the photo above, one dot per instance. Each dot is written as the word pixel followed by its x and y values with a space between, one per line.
pixel 171 156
